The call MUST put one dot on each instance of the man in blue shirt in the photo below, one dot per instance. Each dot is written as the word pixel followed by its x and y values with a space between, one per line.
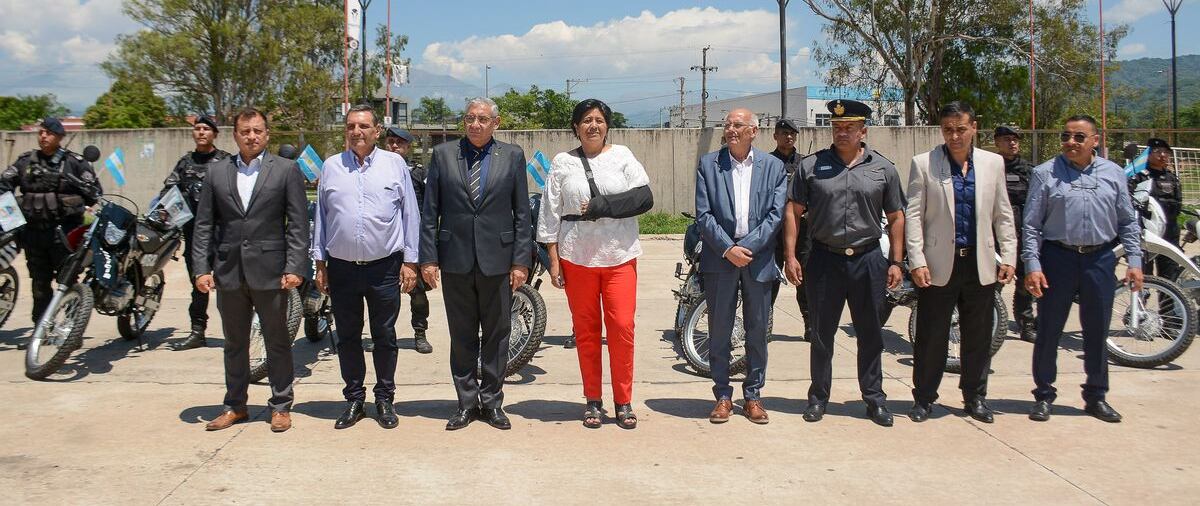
pixel 1078 210
pixel 365 240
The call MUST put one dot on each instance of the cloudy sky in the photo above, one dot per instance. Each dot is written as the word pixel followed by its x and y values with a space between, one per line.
pixel 628 53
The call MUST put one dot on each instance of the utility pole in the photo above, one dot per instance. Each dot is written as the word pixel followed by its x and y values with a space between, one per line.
pixel 573 81
pixel 704 70
pixel 783 58
pixel 364 4
pixel 682 122
pixel 1173 8
pixel 486 86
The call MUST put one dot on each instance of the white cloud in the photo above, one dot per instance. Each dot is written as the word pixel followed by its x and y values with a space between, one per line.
pixel 744 47
pixel 64 31
pixel 1131 50
pixel 17 45
pixel 1129 11
pixel 85 50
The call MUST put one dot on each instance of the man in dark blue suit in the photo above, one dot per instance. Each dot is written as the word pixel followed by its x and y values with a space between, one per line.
pixel 740 198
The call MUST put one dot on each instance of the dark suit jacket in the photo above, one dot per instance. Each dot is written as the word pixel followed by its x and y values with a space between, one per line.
pixel 455 234
pixel 257 241
pixel 715 213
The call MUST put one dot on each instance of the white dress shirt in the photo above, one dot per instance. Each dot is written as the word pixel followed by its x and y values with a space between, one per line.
pixel 247 176
pixel 742 173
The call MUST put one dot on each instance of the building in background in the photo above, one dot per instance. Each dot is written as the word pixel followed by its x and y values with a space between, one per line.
pixel 806 105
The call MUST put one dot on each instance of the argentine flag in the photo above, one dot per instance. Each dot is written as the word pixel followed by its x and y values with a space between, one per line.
pixel 1138 165
pixel 534 170
pixel 310 164
pixel 116 165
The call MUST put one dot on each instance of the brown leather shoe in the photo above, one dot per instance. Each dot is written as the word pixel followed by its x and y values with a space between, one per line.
pixel 228 418
pixel 720 412
pixel 755 412
pixel 281 421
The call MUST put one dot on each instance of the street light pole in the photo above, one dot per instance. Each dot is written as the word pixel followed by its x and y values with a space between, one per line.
pixel 1173 8
pixel 783 58
pixel 486 86
pixel 364 4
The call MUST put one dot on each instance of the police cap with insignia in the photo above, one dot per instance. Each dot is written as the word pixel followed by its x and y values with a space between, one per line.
pixel 1154 143
pixel 53 125
pixel 786 124
pixel 1003 130
pixel 399 132
pixel 208 120
pixel 848 110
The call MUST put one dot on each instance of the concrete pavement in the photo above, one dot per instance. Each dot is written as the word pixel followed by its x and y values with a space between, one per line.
pixel 123 425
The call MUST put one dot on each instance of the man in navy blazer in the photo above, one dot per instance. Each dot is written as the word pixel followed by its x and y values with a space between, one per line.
pixel 740 197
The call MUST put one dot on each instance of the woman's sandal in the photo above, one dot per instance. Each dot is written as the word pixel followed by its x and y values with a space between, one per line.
pixel 591 416
pixel 625 417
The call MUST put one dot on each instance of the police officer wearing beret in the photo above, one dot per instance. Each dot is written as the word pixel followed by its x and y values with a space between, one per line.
pixel 785 150
pixel 847 189
pixel 1168 191
pixel 399 141
pixel 188 175
pixel 55 186
pixel 1016 177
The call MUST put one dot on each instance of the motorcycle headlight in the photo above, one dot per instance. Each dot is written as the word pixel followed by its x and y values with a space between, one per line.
pixel 113 235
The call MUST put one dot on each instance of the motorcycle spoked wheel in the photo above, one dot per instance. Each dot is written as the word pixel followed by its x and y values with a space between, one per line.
pixel 1165 328
pixel 258 347
pixel 45 356
pixel 954 348
pixel 695 344
pixel 528 328
pixel 320 325
pixel 133 325
pixel 9 287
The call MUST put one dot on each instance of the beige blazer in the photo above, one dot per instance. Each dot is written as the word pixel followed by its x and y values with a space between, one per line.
pixel 929 218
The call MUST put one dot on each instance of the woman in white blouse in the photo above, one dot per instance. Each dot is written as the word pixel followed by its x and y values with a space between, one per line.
pixel 595 261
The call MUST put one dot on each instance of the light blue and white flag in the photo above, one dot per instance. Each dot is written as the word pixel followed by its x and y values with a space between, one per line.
pixel 310 164
pixel 1138 165
pixel 116 166
pixel 537 172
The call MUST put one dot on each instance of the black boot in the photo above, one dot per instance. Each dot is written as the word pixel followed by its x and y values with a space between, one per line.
pixel 194 340
pixel 420 343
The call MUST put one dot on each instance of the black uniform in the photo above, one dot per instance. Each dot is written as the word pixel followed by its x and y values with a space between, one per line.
pixel 791 164
pixel 1016 176
pixel 845 207
pixel 1168 191
pixel 419 305
pixel 188 175
pixel 48 199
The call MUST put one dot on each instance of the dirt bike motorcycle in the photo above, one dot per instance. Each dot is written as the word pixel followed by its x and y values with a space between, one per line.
pixel 691 312
pixel 9 283
pixel 115 266
pixel 528 308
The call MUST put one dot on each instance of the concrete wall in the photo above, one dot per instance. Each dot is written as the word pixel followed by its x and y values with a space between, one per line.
pixel 669 155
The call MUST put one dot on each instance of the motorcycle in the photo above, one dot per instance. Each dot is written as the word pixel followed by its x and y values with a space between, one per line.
pixel 115 266
pixel 691 312
pixel 528 308
pixel 9 283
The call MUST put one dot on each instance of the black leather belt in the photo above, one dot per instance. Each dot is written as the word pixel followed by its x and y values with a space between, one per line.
pixel 964 252
pixel 1083 250
pixel 370 262
pixel 849 252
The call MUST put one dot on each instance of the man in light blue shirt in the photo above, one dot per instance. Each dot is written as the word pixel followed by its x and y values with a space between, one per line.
pixel 365 236
pixel 1077 211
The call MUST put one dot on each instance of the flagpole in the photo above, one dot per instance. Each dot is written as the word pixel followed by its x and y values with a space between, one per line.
pixel 387 44
pixel 345 56
pixel 1103 97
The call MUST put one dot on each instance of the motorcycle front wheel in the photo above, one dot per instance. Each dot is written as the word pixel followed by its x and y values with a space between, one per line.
pixel 9 287
pixel 1165 324
pixel 954 348
pixel 132 325
pixel 695 342
pixel 528 328
pixel 63 335
pixel 258 346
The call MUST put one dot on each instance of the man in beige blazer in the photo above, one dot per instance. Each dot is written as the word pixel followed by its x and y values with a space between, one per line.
pixel 958 217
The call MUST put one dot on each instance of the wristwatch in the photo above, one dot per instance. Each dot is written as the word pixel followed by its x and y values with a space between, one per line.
pixel 897 264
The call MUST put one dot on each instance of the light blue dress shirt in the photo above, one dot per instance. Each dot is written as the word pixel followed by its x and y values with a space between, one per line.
pixel 365 211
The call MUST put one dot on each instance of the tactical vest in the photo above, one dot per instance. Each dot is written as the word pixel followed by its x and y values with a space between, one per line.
pixel 43 196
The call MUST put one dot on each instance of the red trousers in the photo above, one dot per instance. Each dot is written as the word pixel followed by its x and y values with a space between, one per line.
pixel 603 296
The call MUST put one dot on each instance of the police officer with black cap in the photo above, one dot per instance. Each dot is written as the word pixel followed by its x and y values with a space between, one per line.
pixel 55 186
pixel 786 132
pixel 846 190
pixel 399 141
pixel 1016 177
pixel 188 175
pixel 1168 191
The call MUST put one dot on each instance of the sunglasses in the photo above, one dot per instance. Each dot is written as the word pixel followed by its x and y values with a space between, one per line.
pixel 1078 137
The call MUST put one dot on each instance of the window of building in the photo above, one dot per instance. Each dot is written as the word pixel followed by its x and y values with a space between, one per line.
pixel 891 120
pixel 823 119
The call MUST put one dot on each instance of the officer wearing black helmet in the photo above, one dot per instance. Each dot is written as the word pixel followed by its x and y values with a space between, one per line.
pixel 1016 178
pixel 1168 191
pixel 55 186
pixel 399 141
pixel 188 175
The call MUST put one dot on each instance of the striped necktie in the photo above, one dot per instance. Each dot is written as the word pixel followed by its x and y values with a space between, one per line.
pixel 473 176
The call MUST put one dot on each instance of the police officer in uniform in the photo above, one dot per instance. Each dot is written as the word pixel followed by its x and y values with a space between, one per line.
pixel 847 189
pixel 399 141
pixel 1016 177
pixel 55 186
pixel 1168 191
pixel 188 175
pixel 785 150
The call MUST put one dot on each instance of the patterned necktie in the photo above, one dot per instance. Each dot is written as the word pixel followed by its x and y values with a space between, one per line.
pixel 473 176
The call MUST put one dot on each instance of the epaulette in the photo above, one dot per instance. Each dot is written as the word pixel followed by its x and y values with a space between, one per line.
pixel 889 160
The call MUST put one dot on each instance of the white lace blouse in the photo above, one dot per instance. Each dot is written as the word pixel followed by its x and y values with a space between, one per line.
pixel 605 242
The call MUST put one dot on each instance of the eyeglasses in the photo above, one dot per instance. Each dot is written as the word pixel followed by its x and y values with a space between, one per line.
pixel 481 119
pixel 736 126
pixel 1079 137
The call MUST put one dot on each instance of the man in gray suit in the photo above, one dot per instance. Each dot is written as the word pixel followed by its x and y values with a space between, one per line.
pixel 475 228
pixel 254 214
pixel 740 197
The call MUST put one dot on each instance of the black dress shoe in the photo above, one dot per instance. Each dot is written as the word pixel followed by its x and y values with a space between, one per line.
pixel 569 342
pixel 814 412
pixel 1040 411
pixel 979 410
pixel 421 344
pixel 386 414
pixel 920 411
pixel 1029 335
pixel 461 419
pixel 353 413
pixel 194 340
pixel 1103 411
pixel 495 417
pixel 879 415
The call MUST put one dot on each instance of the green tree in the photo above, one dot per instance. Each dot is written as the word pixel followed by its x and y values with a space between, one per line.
pixel 432 111
pixel 1190 117
pixel 27 109
pixel 129 103
pixel 619 120
pixel 535 109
